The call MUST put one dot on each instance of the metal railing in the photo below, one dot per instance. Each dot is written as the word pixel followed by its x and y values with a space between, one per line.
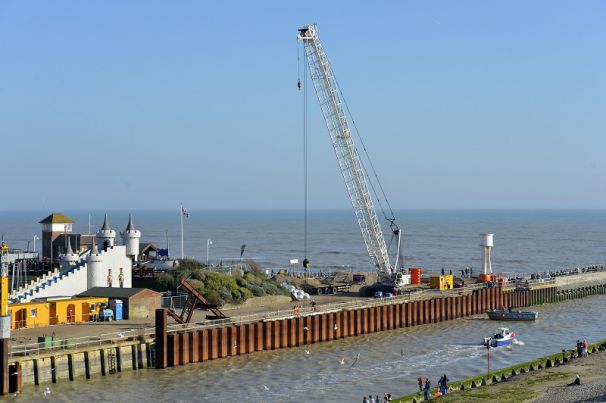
pixel 57 344
pixel 111 338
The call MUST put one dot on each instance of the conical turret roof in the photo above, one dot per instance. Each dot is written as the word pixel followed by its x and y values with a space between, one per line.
pixel 130 226
pixel 94 250
pixel 106 226
pixel 70 251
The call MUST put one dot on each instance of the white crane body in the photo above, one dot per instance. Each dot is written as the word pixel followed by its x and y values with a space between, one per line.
pixel 350 164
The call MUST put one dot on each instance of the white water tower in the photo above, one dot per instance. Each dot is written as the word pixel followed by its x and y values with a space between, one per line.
pixel 486 243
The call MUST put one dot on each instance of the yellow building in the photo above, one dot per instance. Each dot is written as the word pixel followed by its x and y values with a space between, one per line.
pixel 441 282
pixel 54 312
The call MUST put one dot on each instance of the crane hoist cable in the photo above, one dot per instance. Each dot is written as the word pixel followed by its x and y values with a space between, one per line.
pixel 391 218
pixel 305 181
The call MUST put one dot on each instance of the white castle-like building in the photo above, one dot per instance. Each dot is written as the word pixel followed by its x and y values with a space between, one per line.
pixel 102 264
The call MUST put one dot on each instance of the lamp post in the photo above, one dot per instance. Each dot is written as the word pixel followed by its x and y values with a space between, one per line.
pixel 488 356
pixel 208 243
pixel 35 239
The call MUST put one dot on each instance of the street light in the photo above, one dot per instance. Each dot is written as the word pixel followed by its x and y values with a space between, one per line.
pixel 35 239
pixel 208 243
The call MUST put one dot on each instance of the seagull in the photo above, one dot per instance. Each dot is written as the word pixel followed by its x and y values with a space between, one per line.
pixel 49 371
pixel 265 387
pixel 307 351
pixel 336 327
pixel 47 391
pixel 342 361
pixel 305 328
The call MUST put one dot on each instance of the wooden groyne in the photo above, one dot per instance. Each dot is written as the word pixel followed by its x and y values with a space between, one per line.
pixel 505 374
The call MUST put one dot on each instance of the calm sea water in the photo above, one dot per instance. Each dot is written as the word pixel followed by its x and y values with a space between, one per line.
pixel 524 240
pixel 390 361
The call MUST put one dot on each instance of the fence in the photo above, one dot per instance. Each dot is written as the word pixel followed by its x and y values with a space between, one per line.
pixel 173 300
pixel 23 350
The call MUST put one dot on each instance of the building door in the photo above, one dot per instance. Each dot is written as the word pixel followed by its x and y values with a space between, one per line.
pixel 85 312
pixel 52 314
pixel 71 313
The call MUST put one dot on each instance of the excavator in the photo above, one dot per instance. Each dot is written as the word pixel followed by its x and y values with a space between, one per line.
pixel 355 175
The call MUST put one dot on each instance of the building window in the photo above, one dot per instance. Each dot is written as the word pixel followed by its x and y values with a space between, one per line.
pixel 33 312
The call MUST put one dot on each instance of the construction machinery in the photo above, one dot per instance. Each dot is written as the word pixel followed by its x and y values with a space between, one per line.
pixel 194 299
pixel 352 168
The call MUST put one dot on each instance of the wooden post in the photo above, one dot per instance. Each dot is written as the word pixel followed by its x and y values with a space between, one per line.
pixel 161 339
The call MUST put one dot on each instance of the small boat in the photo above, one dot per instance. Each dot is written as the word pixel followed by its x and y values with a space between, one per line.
pixel 502 337
pixel 508 314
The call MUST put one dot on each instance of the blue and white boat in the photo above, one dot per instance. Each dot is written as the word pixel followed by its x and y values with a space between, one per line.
pixel 502 337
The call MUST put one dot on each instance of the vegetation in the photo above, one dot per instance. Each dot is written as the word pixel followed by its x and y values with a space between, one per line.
pixel 218 288
pixel 513 395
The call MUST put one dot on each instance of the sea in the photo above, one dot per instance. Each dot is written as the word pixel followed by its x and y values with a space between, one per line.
pixel 525 241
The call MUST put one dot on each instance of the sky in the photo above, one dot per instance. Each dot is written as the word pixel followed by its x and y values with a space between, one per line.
pixel 151 104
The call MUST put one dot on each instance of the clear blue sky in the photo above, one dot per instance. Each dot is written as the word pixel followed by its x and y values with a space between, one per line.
pixel 147 104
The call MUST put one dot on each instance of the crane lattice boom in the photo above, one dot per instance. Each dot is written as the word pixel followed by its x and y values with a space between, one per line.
pixel 348 159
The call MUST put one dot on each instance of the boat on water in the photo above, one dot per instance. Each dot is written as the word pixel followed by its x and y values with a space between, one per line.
pixel 508 314
pixel 502 337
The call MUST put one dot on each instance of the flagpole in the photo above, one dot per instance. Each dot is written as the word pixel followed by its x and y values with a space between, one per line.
pixel 181 214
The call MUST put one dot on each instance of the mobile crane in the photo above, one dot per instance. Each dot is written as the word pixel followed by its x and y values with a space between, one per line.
pixel 350 164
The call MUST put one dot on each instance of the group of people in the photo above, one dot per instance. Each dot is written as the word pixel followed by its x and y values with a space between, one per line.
pixel 466 272
pixel 567 272
pixel 582 347
pixel 377 399
pixel 426 387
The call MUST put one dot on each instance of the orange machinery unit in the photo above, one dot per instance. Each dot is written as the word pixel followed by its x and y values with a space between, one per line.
pixel 486 278
pixel 415 275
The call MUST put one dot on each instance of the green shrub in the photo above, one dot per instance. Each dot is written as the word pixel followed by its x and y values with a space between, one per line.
pixel 217 288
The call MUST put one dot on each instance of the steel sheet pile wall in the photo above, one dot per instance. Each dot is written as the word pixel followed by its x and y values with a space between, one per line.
pixel 205 344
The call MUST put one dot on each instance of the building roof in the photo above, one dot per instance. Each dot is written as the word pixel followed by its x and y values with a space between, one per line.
pixel 130 226
pixel 56 218
pixel 113 292
pixel 146 247
pixel 106 226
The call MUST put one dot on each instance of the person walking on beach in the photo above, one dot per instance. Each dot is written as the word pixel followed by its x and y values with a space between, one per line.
pixel 365 400
pixel 579 348
pixel 420 380
pixel 427 388
pixel 585 348
pixel 445 384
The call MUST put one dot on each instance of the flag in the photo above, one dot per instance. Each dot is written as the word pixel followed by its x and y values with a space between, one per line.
pixel 184 212
pixel 242 250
